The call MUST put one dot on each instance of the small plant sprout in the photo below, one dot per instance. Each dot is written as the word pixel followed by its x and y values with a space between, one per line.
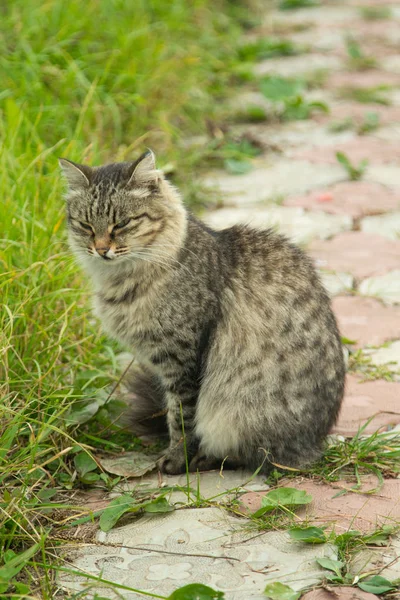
pixel 357 59
pixel 354 172
pixel 375 13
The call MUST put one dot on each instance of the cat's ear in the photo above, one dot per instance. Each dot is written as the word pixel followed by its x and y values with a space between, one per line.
pixel 144 169
pixel 76 175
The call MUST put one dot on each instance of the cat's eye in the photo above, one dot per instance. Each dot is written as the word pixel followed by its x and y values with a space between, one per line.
pixel 122 224
pixel 86 226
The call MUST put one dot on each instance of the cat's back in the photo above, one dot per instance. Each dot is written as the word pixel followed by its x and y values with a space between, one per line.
pixel 273 289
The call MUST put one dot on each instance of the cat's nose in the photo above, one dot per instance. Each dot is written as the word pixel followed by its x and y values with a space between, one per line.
pixel 102 250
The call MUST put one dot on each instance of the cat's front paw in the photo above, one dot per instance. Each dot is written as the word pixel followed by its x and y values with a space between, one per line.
pixel 173 462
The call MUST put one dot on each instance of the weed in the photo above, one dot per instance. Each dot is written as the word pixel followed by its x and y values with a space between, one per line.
pixel 293 4
pixel 357 59
pixel 354 172
pixel 343 125
pixel 142 74
pixel 373 13
pixel 287 95
pixel 367 95
pixel 362 364
pixel 233 154
pixel 267 47
pixel 252 114
pixel 370 122
pixel 376 454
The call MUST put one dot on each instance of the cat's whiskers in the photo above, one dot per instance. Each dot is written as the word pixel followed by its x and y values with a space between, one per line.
pixel 164 255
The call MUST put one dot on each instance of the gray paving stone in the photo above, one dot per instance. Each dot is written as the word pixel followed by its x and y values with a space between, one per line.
pixel 296 223
pixel 212 486
pixel 160 553
pixel 296 134
pixel 386 287
pixel 337 283
pixel 296 65
pixel 387 225
pixel 388 355
pixel 386 174
pixel 271 178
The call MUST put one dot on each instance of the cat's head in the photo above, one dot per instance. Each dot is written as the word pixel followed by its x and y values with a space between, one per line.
pixel 121 211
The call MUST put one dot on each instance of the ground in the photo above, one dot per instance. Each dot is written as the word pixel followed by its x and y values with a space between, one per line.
pixel 313 150
pixel 350 224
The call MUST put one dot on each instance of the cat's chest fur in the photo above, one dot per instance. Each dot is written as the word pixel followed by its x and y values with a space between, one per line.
pixel 129 310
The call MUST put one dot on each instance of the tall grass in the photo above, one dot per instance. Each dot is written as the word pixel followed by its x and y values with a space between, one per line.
pixel 92 81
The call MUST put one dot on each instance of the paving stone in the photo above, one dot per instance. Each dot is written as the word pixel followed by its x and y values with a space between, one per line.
pixel 337 283
pixel 389 355
pixel 358 149
pixel 366 320
pixel 386 287
pixel 297 134
pixel 354 198
pixel 212 485
pixel 159 553
pixel 390 133
pixel 365 399
pixel 356 112
pixel 362 79
pixel 386 225
pixel 391 64
pixel 339 593
pixel 373 559
pixel 385 174
pixel 297 224
pixel 335 16
pixel 272 178
pixel 362 511
pixel 294 66
pixel 361 254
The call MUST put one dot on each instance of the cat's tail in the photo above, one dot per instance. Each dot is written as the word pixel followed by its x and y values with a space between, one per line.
pixel 146 413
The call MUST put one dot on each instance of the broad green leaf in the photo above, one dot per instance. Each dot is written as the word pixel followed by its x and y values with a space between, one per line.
pixel 237 167
pixel 380 537
pixel 279 591
pixel 17 563
pixel 90 478
pixel 332 565
pixel 196 591
pixel 114 511
pixel 280 88
pixel 282 497
pixel 82 412
pixel 84 463
pixel 160 505
pixel 308 535
pixel 376 585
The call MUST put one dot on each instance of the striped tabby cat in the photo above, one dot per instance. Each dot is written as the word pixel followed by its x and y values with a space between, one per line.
pixel 233 329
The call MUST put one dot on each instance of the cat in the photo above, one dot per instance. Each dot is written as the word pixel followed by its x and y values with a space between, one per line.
pixel 240 353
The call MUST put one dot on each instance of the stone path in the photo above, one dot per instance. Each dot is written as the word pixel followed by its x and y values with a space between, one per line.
pixel 352 230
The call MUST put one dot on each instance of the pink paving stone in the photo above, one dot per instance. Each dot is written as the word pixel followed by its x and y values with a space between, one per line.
pixel 366 320
pixel 357 113
pixel 354 198
pixel 361 254
pixel 370 148
pixel 362 79
pixel 362 511
pixel 363 400
pixel 339 593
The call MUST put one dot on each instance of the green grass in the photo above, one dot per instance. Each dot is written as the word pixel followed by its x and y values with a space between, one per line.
pixel 97 82
pixel 367 95
pixel 373 13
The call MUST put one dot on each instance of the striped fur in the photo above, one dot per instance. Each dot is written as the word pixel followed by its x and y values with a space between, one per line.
pixel 234 326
